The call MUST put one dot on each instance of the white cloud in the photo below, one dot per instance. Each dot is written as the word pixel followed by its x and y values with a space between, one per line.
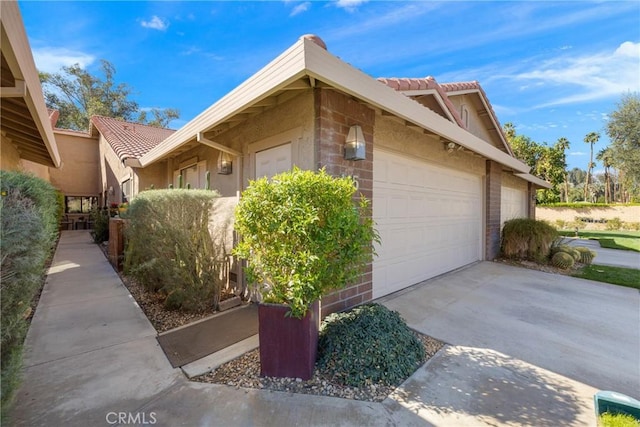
pixel 350 5
pixel 588 77
pixel 51 59
pixel 578 153
pixel 300 8
pixel 155 23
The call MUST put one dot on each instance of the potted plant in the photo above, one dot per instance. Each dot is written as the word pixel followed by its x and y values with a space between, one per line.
pixel 122 208
pixel 303 237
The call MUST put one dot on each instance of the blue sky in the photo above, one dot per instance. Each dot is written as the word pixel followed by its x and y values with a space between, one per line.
pixel 555 69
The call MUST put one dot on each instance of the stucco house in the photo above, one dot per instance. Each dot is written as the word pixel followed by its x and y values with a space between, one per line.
pixel 26 134
pixel 432 157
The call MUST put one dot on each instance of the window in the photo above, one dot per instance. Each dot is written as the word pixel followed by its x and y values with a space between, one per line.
pixel 464 115
pixel 80 204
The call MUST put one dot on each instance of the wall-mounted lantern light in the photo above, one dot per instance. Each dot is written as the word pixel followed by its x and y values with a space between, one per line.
pixel 355 147
pixel 225 165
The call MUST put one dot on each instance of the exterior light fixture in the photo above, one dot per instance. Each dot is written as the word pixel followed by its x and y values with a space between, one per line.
pixel 225 165
pixel 355 147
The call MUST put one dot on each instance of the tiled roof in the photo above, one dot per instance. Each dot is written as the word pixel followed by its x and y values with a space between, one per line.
pixel 129 140
pixel 427 83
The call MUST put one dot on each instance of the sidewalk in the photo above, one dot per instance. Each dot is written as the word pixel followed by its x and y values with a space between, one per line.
pixel 91 357
pixel 610 257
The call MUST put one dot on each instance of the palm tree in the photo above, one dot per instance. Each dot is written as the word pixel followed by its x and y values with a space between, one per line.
pixel 563 144
pixel 604 156
pixel 590 139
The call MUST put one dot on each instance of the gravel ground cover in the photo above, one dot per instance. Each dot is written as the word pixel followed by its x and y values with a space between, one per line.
pixel 244 372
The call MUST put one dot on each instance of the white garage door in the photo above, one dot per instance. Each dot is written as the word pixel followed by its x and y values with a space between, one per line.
pixel 513 204
pixel 429 218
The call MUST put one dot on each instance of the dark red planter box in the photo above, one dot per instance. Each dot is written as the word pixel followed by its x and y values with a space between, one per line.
pixel 288 345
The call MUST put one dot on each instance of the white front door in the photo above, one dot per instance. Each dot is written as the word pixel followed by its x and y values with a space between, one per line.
pixel 429 218
pixel 273 161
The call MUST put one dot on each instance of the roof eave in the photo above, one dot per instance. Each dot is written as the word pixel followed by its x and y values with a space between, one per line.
pixel 540 183
pixel 17 52
pixel 283 70
pixel 331 70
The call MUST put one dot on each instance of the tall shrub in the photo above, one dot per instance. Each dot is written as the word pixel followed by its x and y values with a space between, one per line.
pixel 303 236
pixel 526 238
pixel 29 214
pixel 170 248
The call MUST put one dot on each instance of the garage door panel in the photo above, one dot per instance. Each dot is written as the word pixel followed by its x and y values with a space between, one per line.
pixel 429 220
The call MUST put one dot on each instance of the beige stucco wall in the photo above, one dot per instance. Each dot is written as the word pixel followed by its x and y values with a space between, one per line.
pixel 10 160
pixel 625 213
pixel 113 172
pixel 390 134
pixel 512 181
pixel 295 113
pixel 79 174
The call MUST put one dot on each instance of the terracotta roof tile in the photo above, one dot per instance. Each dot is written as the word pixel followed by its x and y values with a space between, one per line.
pixel 427 83
pixel 129 140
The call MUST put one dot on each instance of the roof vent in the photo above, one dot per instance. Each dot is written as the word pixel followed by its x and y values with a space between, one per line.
pixel 317 40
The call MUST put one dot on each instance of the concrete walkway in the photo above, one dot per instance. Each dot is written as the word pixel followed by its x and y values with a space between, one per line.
pixel 610 257
pixel 92 357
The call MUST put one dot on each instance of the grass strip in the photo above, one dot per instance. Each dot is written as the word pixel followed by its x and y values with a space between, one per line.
pixel 628 277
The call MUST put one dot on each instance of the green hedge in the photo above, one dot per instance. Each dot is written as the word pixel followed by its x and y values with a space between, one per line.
pixel 170 248
pixel 585 205
pixel 30 214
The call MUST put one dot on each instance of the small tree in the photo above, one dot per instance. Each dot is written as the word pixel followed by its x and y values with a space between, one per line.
pixel 303 236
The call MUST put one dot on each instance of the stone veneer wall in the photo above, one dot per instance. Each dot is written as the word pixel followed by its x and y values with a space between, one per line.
pixel 335 113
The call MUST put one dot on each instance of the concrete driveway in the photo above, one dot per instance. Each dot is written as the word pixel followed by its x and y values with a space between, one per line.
pixel 525 347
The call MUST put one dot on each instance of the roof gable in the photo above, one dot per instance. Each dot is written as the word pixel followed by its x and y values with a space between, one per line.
pixel 127 139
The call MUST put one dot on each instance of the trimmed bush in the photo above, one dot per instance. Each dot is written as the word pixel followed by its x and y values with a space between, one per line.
pixel 586 255
pixel 170 248
pixel 29 212
pixel 303 236
pixel 100 232
pixel 368 344
pixel 525 238
pixel 562 260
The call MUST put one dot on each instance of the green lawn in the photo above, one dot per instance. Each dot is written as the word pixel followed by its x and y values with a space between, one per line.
pixel 628 277
pixel 626 240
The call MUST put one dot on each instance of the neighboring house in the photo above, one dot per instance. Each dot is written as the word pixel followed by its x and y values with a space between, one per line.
pixel 27 142
pixel 436 164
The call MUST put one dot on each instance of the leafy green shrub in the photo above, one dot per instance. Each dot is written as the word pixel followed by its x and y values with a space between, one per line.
pixel 562 260
pixel 170 248
pixel 29 215
pixel 614 224
pixel 302 236
pixel 525 238
pixel 100 232
pixel 368 344
pixel 586 255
